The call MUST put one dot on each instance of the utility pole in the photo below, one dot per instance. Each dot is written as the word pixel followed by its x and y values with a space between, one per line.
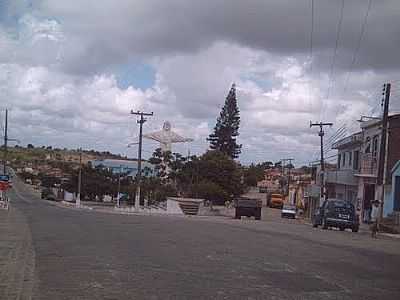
pixel 78 198
pixel 139 173
pixel 283 161
pixel 119 184
pixel 5 143
pixel 321 134
pixel 6 140
pixel 382 166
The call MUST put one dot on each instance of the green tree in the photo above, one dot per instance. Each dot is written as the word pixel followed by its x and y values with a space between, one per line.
pixel 161 161
pixel 227 128
pixel 95 182
pixel 253 174
pixel 267 165
pixel 218 169
pixel 289 166
pixel 306 170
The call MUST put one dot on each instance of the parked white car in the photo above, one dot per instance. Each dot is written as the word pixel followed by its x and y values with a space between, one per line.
pixel 288 211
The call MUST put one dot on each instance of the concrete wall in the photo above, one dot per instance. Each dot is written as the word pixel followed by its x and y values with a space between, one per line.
pixel 394 144
pixel 388 203
pixel 344 192
pixel 173 207
pixel 391 200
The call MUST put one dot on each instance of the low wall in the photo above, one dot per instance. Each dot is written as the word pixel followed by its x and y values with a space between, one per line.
pixel 216 211
pixel 144 210
pixel 183 206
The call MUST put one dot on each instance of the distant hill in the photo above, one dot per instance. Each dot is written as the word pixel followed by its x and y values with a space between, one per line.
pixel 19 156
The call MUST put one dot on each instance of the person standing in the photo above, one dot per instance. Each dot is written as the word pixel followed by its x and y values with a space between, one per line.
pixel 367 212
pixel 375 212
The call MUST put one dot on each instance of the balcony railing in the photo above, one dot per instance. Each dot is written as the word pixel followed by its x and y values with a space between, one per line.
pixel 369 164
pixel 345 177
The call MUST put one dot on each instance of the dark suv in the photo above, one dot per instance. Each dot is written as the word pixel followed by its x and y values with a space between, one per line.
pixel 48 194
pixel 336 213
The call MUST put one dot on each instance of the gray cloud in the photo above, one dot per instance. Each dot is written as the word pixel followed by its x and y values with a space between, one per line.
pixel 115 31
pixel 55 57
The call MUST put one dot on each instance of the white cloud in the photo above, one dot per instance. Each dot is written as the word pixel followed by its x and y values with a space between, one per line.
pixel 52 76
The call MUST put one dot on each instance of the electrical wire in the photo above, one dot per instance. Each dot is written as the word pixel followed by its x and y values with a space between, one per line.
pixel 357 49
pixel 311 54
pixel 1 124
pixel 338 31
pixel 338 132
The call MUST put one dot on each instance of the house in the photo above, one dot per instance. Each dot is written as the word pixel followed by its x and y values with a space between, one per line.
pixel 271 180
pixel 392 206
pixel 129 167
pixel 341 181
pixel 368 188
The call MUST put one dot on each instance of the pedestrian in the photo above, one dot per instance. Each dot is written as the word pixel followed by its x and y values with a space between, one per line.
pixel 375 212
pixel 367 212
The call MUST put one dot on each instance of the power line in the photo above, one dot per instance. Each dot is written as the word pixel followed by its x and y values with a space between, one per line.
pixel 338 138
pixel 1 124
pixel 357 49
pixel 311 53
pixel 339 29
pixel 337 133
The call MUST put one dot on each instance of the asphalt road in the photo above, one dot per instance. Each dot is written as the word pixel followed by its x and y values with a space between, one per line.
pixel 90 255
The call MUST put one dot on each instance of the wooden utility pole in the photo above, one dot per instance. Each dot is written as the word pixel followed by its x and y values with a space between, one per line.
pixel 5 143
pixel 6 140
pixel 119 185
pixel 141 121
pixel 78 198
pixel 382 166
pixel 321 134
pixel 283 161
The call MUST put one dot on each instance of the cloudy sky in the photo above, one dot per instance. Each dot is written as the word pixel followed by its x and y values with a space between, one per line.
pixel 71 71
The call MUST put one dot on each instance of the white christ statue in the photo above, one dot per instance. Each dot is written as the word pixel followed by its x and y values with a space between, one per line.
pixel 166 137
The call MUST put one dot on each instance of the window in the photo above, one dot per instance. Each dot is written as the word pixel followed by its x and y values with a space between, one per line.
pixel 375 146
pixel 339 160
pixel 350 158
pixel 356 159
pixel 343 159
pixel 368 145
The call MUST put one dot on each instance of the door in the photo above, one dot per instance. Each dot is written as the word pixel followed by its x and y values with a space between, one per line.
pixel 396 200
pixel 369 195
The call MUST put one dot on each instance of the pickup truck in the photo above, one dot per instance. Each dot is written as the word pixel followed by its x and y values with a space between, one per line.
pixel 248 207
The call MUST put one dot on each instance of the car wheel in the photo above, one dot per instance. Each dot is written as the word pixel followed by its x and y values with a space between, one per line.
pixel 314 225
pixel 324 225
pixel 258 214
pixel 237 214
pixel 354 229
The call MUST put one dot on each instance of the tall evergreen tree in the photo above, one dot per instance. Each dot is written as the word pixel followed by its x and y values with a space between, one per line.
pixel 227 128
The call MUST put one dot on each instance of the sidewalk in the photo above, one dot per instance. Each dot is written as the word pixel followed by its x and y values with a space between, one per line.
pixel 17 258
pixel 363 229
